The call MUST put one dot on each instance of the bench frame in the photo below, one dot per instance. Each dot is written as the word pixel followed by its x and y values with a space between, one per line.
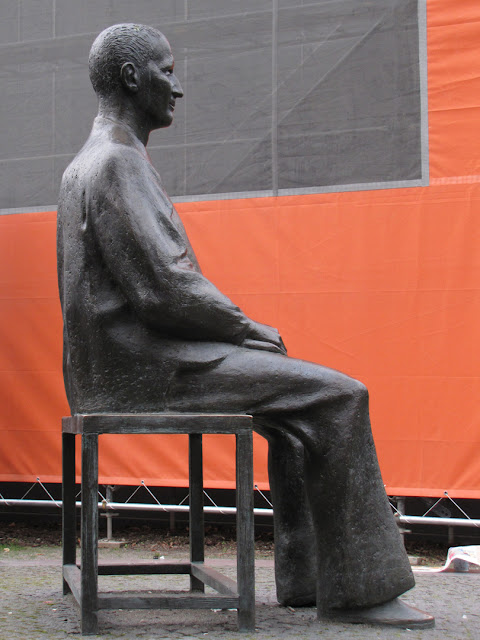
pixel 82 580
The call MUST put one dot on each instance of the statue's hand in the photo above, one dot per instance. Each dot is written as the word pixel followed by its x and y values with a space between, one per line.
pixel 265 338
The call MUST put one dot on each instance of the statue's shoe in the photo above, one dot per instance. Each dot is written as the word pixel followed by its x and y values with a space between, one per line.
pixel 395 613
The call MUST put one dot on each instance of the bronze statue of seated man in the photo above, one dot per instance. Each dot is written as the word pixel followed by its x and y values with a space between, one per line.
pixel 145 331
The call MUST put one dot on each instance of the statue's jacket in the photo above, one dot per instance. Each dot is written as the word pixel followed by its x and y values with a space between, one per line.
pixel 137 310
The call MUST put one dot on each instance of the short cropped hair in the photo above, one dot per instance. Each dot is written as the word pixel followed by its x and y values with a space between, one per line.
pixel 116 45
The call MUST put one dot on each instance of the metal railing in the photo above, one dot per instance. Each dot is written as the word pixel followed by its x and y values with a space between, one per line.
pixel 108 506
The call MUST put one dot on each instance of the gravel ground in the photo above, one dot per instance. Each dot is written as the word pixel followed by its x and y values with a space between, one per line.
pixel 32 605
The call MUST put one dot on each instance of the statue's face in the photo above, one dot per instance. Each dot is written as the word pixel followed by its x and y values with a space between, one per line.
pixel 162 87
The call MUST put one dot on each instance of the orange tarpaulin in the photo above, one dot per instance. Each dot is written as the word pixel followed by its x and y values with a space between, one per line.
pixel 383 285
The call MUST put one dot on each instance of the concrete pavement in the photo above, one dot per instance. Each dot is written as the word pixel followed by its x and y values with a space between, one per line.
pixel 32 605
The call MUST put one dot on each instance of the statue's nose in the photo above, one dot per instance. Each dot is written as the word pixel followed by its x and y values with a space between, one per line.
pixel 177 87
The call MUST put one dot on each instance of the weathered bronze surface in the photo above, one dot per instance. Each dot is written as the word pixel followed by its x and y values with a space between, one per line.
pixel 144 331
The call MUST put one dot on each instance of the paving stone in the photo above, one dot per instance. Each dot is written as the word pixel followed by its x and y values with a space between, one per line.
pixel 32 606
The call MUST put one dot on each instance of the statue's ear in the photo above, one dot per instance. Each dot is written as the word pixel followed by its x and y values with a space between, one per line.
pixel 129 77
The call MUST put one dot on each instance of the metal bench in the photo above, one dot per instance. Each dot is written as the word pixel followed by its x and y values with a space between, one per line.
pixel 82 580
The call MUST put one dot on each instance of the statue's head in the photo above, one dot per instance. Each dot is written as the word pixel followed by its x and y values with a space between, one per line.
pixel 134 62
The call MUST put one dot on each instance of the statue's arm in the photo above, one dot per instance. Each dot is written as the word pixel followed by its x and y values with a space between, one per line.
pixel 148 258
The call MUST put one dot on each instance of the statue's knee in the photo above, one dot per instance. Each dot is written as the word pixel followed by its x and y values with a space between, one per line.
pixel 361 391
pixel 356 391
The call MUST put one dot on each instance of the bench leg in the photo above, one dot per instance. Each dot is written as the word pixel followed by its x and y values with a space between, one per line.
pixel 89 580
pixel 196 517
pixel 245 533
pixel 68 503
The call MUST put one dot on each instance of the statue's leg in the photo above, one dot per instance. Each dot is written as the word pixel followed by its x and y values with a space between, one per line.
pixel 360 556
pixel 295 557
pixel 361 561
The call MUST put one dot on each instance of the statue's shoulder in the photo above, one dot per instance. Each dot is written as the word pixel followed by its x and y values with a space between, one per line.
pixel 104 156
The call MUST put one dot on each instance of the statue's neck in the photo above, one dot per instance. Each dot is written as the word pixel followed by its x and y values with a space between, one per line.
pixel 119 131
pixel 125 116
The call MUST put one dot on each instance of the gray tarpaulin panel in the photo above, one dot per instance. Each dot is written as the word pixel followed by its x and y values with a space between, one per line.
pixel 279 94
